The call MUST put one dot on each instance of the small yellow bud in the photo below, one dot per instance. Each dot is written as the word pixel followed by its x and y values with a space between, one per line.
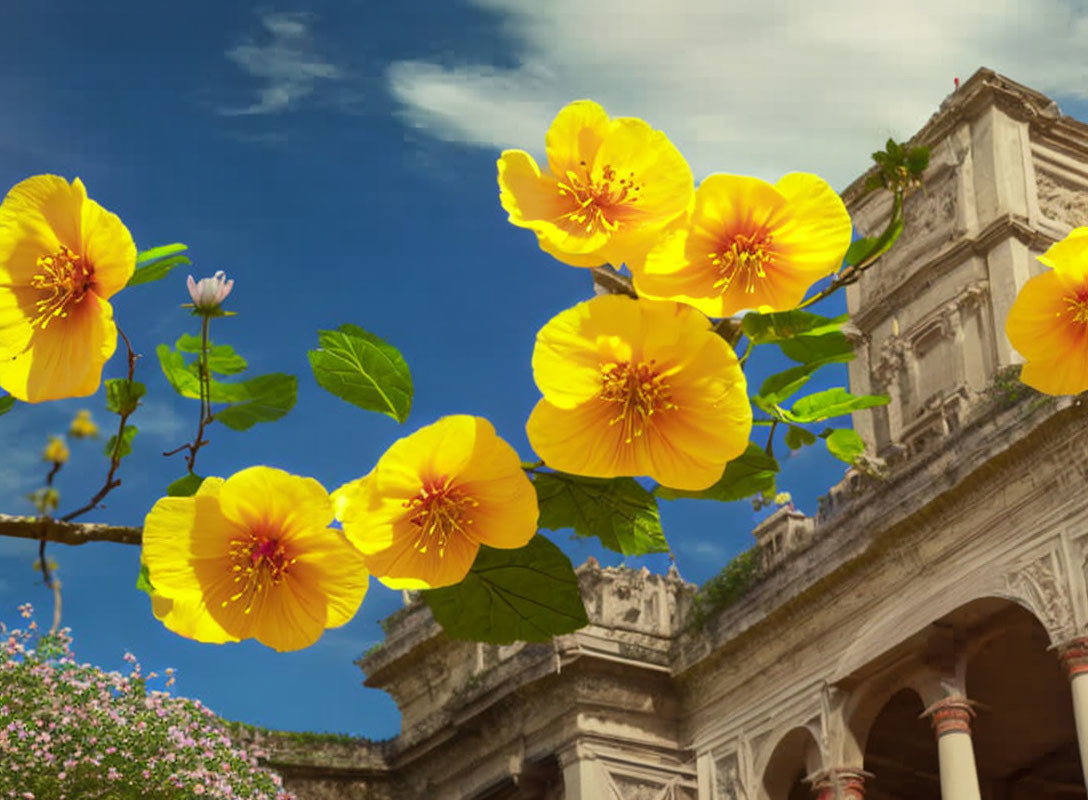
pixel 56 451
pixel 83 427
pixel 783 498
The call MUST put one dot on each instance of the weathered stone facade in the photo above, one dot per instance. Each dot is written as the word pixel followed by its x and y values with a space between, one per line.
pixel 953 589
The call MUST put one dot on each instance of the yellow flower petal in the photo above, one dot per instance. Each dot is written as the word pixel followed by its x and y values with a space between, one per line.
pixel 575 135
pixel 749 244
pixel 612 182
pixel 66 358
pixel 252 557
pixel 432 498
pixel 187 615
pixel 61 256
pixel 107 245
pixel 670 399
pixel 257 495
pixel 38 216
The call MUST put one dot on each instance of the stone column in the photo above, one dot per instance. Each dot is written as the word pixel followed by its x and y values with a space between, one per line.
pixel 951 720
pixel 1074 656
pixel 839 783
pixel 583 775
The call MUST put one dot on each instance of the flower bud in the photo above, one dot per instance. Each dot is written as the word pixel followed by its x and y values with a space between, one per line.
pixel 209 293
pixel 56 451
pixel 83 427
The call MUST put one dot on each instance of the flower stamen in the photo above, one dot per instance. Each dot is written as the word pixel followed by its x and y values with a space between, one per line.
pixel 745 255
pixel 66 277
pixel 596 198
pixel 640 393
pixel 1078 306
pixel 440 511
pixel 258 561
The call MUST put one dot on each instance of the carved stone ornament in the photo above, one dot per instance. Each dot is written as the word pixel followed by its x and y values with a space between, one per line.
pixel 729 780
pixel 1042 586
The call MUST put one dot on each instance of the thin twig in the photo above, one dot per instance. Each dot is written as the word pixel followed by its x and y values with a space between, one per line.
pixel 112 482
pixel 72 533
pixel 47 578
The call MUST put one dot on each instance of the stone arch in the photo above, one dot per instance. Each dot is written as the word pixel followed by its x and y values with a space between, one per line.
pixel 899 640
pixel 795 754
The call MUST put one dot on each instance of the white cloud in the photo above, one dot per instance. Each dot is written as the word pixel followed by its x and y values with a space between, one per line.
pixel 285 63
pixel 754 86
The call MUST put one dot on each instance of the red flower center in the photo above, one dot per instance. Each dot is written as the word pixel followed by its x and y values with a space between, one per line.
pixel 440 510
pixel 64 278
pixel 744 256
pixel 638 390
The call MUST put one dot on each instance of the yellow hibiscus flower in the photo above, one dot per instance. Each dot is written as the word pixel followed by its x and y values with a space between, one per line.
pixel 252 557
pixel 611 183
pixel 1048 322
pixel 638 387
pixel 62 256
pixel 748 244
pixel 433 498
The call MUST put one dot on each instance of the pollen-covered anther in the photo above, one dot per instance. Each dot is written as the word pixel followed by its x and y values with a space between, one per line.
pixel 598 199
pixel 66 277
pixel 638 390
pixel 439 511
pixel 258 561
pixel 1078 306
pixel 745 256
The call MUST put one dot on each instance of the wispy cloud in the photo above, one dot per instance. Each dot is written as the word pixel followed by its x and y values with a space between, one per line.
pixel 284 62
pixel 755 86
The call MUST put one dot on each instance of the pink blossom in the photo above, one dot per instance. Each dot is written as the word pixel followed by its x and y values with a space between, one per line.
pixel 209 293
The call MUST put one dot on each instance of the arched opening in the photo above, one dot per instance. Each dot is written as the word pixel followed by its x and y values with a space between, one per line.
pixel 792 759
pixel 901 752
pixel 1024 735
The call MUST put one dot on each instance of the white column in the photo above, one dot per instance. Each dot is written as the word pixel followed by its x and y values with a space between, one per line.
pixel 955 753
pixel 583 775
pixel 1074 655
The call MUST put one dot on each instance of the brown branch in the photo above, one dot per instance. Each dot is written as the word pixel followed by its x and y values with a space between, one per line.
pixel 112 482
pixel 53 530
pixel 612 282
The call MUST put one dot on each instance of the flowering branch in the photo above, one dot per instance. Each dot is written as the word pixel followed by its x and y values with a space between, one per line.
pixel 112 481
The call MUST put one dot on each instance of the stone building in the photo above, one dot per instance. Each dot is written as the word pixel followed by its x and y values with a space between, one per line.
pixel 924 636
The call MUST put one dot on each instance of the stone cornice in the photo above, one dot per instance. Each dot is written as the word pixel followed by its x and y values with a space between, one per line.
pixel 1004 227
pixel 984 89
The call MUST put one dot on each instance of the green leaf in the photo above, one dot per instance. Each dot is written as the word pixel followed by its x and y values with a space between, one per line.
pixel 844 443
pixel 143 582
pixel 184 486
pixel 918 160
pixel 782 385
pixel 162 251
pixel 125 446
pixel 156 263
pixel 7 402
pixel 827 348
pixel 123 395
pixel 262 399
pixel 796 438
pixel 750 473
pixel 779 325
pixel 364 370
pixel 618 511
pixel 832 403
pixel 528 595
pixel 222 360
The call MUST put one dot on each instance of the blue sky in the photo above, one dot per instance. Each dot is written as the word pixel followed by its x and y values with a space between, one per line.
pixel 338 161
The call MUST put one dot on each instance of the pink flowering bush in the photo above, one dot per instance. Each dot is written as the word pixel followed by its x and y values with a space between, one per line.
pixel 71 731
